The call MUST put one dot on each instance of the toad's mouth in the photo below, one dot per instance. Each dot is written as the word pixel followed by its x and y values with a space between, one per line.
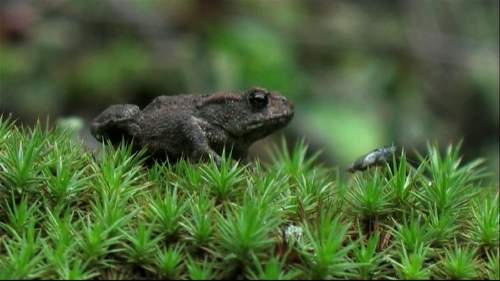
pixel 277 121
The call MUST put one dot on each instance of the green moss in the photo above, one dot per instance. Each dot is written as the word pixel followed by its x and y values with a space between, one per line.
pixel 70 213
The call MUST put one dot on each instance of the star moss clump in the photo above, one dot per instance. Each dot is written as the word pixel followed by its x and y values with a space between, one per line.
pixel 70 213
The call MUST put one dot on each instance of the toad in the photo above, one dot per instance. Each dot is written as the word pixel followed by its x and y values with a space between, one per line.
pixel 196 126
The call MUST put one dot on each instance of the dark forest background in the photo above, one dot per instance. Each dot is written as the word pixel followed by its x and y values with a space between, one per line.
pixel 362 73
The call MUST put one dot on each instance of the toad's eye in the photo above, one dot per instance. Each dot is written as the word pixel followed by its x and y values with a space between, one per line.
pixel 258 99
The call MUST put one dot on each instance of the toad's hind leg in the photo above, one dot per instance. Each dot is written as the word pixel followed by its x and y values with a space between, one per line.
pixel 117 122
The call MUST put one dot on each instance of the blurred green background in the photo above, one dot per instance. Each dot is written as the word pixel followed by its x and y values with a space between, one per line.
pixel 362 73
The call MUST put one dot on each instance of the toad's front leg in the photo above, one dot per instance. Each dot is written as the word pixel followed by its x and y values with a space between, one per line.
pixel 200 148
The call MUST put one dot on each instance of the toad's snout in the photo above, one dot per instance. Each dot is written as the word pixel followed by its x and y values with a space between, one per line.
pixel 283 102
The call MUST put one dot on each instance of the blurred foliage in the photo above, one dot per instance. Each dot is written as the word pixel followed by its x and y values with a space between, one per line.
pixel 362 74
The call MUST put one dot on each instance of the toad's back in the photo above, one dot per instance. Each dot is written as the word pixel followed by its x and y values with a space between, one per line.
pixel 178 104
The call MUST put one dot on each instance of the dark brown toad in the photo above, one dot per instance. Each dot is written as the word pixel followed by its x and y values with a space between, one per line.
pixel 196 126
